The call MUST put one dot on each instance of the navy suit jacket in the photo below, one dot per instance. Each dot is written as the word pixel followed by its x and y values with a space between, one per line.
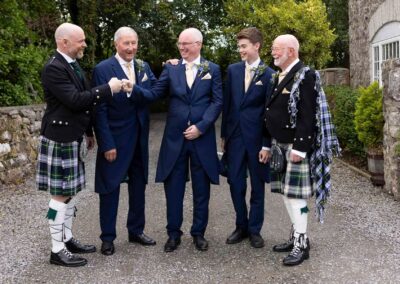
pixel 245 110
pixel 200 105
pixel 117 124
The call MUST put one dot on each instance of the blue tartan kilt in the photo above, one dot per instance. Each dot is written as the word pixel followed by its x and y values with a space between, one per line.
pixel 59 169
pixel 295 181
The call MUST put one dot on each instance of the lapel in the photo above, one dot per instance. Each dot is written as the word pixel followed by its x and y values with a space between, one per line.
pixel 197 78
pixel 116 67
pixel 76 80
pixel 252 83
pixel 181 76
pixel 279 87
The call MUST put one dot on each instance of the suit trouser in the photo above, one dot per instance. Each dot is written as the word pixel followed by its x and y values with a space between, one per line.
pixel 239 160
pixel 136 191
pixel 175 191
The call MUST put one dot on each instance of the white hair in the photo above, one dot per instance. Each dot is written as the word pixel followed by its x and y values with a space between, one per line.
pixel 122 31
pixel 195 32
pixel 65 30
pixel 290 41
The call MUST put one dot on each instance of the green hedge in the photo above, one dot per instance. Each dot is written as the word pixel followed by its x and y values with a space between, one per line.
pixel 342 101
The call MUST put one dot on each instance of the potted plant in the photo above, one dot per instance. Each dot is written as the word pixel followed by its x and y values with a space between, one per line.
pixel 369 121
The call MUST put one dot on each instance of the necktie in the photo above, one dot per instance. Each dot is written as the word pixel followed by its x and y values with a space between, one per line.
pixel 247 78
pixel 77 70
pixel 281 76
pixel 130 74
pixel 189 74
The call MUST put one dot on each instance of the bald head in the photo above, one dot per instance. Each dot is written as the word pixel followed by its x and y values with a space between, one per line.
pixel 70 39
pixel 285 50
pixel 190 43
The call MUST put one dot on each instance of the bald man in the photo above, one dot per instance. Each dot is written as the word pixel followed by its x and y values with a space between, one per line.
pixel 65 124
pixel 195 93
pixel 294 132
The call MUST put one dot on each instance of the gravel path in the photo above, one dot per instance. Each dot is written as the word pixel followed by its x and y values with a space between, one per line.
pixel 358 243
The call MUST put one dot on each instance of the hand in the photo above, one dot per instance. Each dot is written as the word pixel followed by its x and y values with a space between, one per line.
pixel 127 86
pixel 192 132
pixel 115 85
pixel 111 155
pixel 172 61
pixel 90 142
pixel 223 144
pixel 264 156
pixel 295 158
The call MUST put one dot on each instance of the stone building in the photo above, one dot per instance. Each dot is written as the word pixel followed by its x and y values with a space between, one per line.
pixel 374 34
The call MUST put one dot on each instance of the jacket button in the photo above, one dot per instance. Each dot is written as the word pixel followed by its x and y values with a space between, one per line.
pixel 94 103
pixel 87 112
pixel 60 122
pixel 66 123
pixel 301 139
pixel 287 126
pixel 98 97
pixel 267 108
pixel 54 121
pixel 97 90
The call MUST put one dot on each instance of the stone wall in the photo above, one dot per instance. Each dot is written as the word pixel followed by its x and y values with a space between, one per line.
pixel 19 132
pixel 391 111
pixel 335 76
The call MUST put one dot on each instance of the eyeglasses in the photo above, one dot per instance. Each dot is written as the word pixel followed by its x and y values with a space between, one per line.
pixel 185 44
pixel 274 48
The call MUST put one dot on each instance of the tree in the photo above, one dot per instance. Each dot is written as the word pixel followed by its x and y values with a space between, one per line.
pixel 307 20
pixel 338 16
pixel 21 58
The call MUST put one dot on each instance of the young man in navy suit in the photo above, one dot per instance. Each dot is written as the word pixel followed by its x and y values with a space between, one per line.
pixel 195 91
pixel 242 135
pixel 122 131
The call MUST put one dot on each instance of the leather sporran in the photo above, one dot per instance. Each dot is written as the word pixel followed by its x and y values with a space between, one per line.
pixel 278 159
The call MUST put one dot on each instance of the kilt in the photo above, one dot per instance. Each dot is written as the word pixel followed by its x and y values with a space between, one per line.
pixel 295 181
pixel 59 169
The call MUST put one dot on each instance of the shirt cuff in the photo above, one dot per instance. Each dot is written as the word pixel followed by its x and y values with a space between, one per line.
pixel 298 153
pixel 265 148
pixel 128 95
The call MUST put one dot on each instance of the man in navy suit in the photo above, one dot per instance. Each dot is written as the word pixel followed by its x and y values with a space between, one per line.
pixel 242 135
pixel 195 90
pixel 122 131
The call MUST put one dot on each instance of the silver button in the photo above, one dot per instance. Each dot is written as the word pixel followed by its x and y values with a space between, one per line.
pixel 309 137
pixel 267 108
pixel 87 112
pixel 54 121
pixel 294 139
pixel 60 122
pixel 301 139
pixel 66 123
pixel 276 90
pixel 287 126
pixel 97 90
pixel 98 97
pixel 94 103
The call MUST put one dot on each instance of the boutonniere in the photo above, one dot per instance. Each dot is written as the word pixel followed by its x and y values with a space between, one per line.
pixel 274 77
pixel 258 71
pixel 139 65
pixel 297 76
pixel 203 68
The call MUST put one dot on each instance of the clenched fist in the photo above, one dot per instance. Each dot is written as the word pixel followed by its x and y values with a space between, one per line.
pixel 115 85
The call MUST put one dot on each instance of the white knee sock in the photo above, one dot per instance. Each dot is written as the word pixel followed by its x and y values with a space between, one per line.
pixel 69 216
pixel 299 211
pixel 56 216
pixel 288 208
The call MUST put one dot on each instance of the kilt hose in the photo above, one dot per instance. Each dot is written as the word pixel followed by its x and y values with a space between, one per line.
pixel 295 181
pixel 59 169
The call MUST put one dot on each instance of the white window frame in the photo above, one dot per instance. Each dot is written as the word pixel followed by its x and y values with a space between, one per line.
pixel 376 75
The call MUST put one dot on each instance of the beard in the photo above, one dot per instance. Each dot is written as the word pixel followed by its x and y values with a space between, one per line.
pixel 280 61
pixel 79 55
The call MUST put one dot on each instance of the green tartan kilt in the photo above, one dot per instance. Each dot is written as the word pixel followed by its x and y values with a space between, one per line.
pixel 295 181
pixel 59 169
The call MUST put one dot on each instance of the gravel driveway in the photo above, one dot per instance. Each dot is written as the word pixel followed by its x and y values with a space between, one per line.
pixel 358 243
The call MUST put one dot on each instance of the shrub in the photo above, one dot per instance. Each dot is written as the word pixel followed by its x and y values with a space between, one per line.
pixel 342 101
pixel 368 117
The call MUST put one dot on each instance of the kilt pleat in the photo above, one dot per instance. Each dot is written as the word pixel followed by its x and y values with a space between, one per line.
pixel 295 181
pixel 59 169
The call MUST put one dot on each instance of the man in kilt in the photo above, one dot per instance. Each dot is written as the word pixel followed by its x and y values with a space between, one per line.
pixel 60 169
pixel 294 133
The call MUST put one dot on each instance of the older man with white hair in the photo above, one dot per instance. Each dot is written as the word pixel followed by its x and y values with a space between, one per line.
pixel 122 131
pixel 67 119
pixel 302 137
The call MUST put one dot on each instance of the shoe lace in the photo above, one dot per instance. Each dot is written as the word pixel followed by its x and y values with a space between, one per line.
pixel 68 253
pixel 299 244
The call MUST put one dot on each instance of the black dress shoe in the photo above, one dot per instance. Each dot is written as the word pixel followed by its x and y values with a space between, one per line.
pixel 107 248
pixel 237 236
pixel 66 258
pixel 200 243
pixel 256 241
pixel 299 253
pixel 142 239
pixel 172 244
pixel 74 246
pixel 287 246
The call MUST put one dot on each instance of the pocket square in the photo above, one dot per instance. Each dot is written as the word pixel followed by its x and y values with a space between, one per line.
pixel 285 91
pixel 259 83
pixel 206 77
pixel 144 77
